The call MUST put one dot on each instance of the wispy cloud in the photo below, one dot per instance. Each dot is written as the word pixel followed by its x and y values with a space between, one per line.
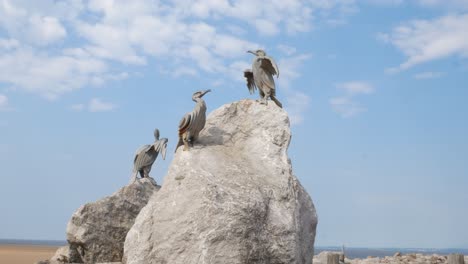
pixel 286 49
pixel 346 105
pixel 94 105
pixel 297 105
pixel 97 105
pixel 356 87
pixel 427 40
pixel 297 102
pixel 428 75
pixel 4 106
pixel 450 4
pixel 77 107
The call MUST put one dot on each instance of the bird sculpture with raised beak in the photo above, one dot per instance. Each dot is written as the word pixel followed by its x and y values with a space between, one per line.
pixel 261 77
pixel 192 123
pixel 147 154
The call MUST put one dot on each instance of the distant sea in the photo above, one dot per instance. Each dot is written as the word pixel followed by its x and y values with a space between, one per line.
pixel 33 242
pixel 352 252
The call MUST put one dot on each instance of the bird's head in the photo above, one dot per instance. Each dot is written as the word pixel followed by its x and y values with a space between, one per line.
pixel 163 144
pixel 156 134
pixel 258 52
pixel 160 146
pixel 199 94
pixel 163 147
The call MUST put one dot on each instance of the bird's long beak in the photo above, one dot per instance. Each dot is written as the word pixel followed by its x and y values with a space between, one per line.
pixel 205 92
pixel 249 51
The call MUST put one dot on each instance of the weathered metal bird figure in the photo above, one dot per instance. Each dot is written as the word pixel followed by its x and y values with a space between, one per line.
pixel 147 154
pixel 192 123
pixel 261 77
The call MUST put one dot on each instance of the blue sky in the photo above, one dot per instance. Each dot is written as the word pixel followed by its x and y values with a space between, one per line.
pixel 376 92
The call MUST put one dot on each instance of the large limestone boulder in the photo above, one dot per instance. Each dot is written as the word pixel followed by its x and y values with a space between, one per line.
pixel 97 230
pixel 230 199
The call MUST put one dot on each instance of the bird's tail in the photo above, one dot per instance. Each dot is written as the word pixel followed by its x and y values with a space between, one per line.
pixel 180 143
pixel 134 177
pixel 278 103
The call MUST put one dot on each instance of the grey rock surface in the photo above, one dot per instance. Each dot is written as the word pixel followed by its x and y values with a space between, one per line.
pixel 97 230
pixel 231 199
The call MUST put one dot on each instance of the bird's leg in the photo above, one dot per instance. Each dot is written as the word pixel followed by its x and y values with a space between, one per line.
pixel 146 172
pixel 142 173
pixel 265 97
pixel 185 140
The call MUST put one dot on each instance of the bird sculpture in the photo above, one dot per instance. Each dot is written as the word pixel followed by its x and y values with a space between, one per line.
pixel 192 123
pixel 147 154
pixel 261 77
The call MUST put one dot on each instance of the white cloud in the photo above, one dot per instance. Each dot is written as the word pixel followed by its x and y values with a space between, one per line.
pixel 291 68
pixel 386 2
pixel 77 107
pixel 427 40
pixel 94 105
pixel 187 37
pixel 286 49
pixel 451 4
pixel 356 87
pixel 428 75
pixel 346 105
pixel 47 75
pixel 3 102
pixel 8 44
pixel 97 105
pixel 297 103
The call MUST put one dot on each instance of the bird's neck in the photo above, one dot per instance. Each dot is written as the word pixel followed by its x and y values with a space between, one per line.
pixel 200 104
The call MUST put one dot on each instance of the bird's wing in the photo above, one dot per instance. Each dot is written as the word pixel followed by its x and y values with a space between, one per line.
pixel 266 79
pixel 269 65
pixel 184 123
pixel 138 162
pixel 248 74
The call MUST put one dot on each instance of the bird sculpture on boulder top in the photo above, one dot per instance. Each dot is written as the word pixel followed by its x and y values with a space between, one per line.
pixel 147 154
pixel 192 123
pixel 261 77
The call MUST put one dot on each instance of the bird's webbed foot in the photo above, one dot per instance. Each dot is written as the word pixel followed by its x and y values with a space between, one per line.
pixel 262 101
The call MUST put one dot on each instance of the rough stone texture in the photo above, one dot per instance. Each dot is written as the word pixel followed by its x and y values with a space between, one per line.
pixel 97 230
pixel 325 256
pixel 232 198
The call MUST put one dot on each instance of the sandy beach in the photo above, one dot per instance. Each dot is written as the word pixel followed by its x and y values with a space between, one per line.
pixel 25 254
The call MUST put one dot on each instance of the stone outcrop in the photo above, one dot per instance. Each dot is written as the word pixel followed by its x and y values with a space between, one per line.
pixel 232 198
pixel 97 230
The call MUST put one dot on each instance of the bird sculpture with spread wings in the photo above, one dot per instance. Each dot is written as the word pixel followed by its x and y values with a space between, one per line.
pixel 147 154
pixel 261 77
pixel 192 123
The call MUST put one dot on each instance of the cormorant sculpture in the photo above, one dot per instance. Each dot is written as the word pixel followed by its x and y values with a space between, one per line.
pixel 261 77
pixel 147 154
pixel 192 123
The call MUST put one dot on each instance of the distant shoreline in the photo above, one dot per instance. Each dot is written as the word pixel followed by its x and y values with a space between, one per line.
pixel 362 252
pixel 26 242
pixel 351 252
